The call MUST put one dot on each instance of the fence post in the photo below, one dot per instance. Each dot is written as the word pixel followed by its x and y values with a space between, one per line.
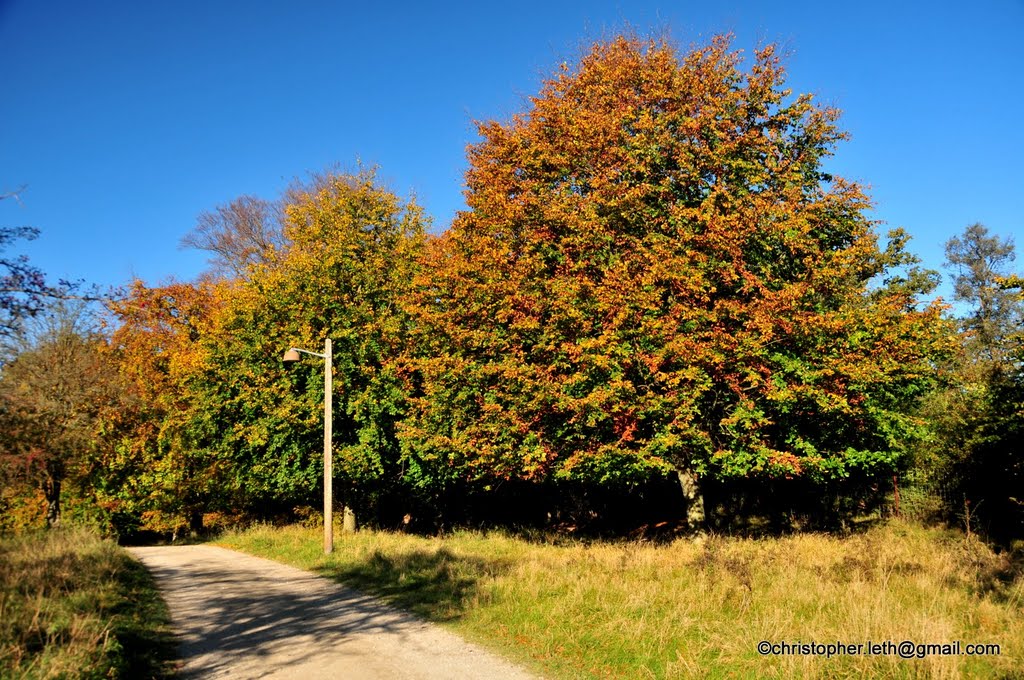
pixel 896 495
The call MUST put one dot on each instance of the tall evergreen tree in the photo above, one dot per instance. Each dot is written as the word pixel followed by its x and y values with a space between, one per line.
pixel 981 423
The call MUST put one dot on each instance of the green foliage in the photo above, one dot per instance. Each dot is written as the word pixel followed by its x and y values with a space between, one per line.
pixel 996 314
pixel 351 248
pixel 977 418
pixel 992 474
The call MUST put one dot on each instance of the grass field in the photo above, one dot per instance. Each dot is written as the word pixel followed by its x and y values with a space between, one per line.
pixel 692 608
pixel 75 606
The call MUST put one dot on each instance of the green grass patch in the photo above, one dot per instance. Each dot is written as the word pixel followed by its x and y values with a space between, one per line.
pixel 692 608
pixel 73 605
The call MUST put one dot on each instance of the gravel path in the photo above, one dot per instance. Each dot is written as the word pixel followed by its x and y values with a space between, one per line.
pixel 239 616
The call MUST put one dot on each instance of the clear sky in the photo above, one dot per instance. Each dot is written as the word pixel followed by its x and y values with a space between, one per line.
pixel 128 119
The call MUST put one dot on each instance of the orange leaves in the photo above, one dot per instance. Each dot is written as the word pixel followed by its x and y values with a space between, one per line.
pixel 158 342
pixel 657 239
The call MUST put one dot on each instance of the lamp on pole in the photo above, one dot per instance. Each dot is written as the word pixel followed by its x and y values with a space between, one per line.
pixel 291 356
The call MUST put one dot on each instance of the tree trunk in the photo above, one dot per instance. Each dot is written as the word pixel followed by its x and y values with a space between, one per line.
pixel 693 497
pixel 51 488
pixel 195 523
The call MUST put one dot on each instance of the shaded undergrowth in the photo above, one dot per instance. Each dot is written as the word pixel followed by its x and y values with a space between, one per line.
pixel 437 585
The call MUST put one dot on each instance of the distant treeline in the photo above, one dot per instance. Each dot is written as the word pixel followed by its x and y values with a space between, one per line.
pixel 658 308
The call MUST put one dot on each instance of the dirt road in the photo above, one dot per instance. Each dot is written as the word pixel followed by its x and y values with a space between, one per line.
pixel 244 617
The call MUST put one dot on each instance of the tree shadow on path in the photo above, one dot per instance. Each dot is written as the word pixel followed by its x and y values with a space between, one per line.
pixel 436 585
pixel 237 612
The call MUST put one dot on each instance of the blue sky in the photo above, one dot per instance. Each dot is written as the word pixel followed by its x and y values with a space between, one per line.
pixel 128 119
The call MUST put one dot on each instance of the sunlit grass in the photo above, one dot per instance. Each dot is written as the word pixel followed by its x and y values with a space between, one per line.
pixel 692 608
pixel 75 606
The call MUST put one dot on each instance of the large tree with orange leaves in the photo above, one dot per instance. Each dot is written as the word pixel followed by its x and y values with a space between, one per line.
pixel 656 272
pixel 158 465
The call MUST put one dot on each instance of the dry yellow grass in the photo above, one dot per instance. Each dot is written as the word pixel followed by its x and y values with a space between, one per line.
pixel 693 608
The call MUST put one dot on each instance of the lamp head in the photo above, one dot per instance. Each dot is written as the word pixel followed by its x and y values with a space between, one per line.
pixel 291 356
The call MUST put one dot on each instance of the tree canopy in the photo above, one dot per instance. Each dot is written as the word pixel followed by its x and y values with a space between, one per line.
pixel 657 271
pixel 982 262
pixel 224 424
pixel 53 395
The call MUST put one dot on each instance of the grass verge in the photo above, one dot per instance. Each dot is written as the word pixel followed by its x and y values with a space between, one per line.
pixel 692 608
pixel 75 606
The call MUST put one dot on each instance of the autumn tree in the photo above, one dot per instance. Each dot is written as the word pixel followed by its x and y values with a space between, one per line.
pixel 656 272
pixel 53 395
pixel 157 467
pixel 349 251
pixel 223 424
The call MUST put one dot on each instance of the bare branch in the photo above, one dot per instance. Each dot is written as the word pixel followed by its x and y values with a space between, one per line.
pixel 16 194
